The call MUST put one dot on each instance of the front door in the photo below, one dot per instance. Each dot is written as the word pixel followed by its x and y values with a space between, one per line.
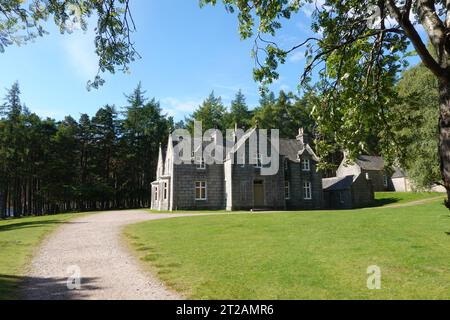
pixel 258 194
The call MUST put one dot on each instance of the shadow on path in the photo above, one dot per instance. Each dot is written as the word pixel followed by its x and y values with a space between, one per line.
pixel 43 288
pixel 33 224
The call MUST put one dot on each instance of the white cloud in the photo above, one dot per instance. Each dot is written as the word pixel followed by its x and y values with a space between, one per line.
pixel 80 50
pixel 178 108
pixel 309 8
pixel 297 56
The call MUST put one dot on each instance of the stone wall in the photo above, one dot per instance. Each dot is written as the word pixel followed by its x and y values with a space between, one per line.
pixel 377 179
pixel 362 192
pixel 339 199
pixel 296 177
pixel 185 176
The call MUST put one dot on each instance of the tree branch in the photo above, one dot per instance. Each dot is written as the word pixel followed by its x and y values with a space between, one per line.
pixel 413 35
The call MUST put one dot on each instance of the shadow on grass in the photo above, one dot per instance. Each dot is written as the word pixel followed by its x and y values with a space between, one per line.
pixel 385 202
pixel 31 288
pixel 32 224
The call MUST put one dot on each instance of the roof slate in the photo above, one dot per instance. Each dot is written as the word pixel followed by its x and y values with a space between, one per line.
pixel 338 183
pixel 370 163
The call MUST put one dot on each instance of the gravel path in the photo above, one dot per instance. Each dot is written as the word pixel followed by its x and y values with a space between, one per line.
pixel 93 244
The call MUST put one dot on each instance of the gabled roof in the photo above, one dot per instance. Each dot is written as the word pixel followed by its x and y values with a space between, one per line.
pixel 372 163
pixel 338 183
pixel 308 149
pixel 290 148
pixel 399 173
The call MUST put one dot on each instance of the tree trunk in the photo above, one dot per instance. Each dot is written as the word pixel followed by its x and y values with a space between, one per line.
pixel 444 134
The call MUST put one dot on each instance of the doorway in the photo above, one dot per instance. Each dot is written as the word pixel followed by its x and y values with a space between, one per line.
pixel 258 194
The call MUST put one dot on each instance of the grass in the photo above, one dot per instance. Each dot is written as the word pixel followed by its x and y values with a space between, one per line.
pixel 18 240
pixel 189 211
pixel 303 255
pixel 394 198
pixel 381 199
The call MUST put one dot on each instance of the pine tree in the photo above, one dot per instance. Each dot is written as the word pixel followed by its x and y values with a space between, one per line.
pixel 211 113
pixel 239 114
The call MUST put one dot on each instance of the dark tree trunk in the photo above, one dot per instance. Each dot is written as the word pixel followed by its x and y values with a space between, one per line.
pixel 444 134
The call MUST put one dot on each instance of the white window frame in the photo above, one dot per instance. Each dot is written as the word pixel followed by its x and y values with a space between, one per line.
pixel 201 164
pixel 306 165
pixel 202 186
pixel 258 160
pixel 166 191
pixel 307 190
pixel 287 190
pixel 155 196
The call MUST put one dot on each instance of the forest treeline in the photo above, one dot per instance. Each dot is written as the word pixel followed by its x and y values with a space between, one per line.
pixel 108 161
pixel 95 163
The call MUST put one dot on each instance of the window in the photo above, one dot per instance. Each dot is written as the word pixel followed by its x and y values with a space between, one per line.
pixel 166 190
pixel 155 195
pixel 307 190
pixel 306 165
pixel 286 165
pixel 201 163
pixel 287 190
pixel 386 181
pixel 258 160
pixel 200 190
pixel 367 176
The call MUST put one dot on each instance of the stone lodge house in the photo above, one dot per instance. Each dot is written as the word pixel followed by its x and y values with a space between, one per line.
pixel 348 192
pixel 231 186
pixel 371 167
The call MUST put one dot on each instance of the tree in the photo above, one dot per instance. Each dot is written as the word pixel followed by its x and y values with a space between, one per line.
pixel 144 129
pixel 21 22
pixel 239 114
pixel 12 107
pixel 418 109
pixel 211 113
pixel 286 112
pixel 99 163
pixel 359 47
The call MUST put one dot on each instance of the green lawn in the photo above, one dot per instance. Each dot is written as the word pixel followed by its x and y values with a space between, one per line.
pixel 18 240
pixel 394 198
pixel 304 255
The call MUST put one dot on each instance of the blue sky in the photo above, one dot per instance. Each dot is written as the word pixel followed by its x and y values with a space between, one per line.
pixel 186 53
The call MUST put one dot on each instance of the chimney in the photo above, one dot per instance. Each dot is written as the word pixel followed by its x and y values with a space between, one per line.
pixel 302 136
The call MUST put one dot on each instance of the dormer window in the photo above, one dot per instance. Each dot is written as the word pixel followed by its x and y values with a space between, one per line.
pixel 306 165
pixel 201 165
